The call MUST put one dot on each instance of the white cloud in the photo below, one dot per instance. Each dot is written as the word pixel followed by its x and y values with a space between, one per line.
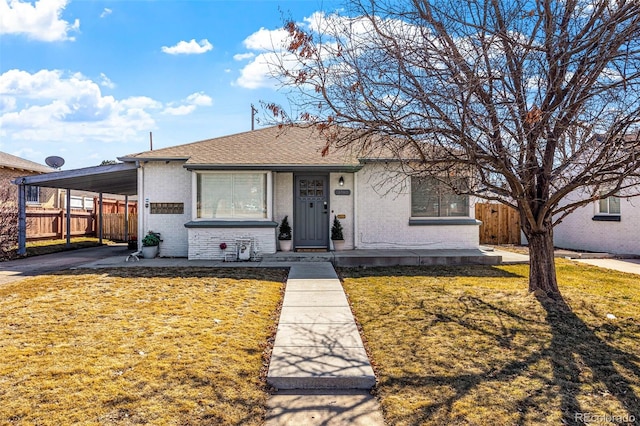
pixel 243 56
pixel 266 40
pixel 106 81
pixel 53 106
pixel 199 99
pixel 188 48
pixel 189 104
pixel 38 21
pixel 257 73
pixel 106 12
pixel 180 110
pixel 7 103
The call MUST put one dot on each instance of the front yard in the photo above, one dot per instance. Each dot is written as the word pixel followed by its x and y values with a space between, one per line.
pixel 457 345
pixel 469 346
pixel 137 346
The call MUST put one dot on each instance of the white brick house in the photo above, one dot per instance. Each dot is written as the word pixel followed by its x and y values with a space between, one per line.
pixel 215 191
pixel 609 225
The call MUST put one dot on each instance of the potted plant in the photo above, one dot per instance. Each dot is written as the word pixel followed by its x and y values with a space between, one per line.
pixel 150 245
pixel 336 234
pixel 284 235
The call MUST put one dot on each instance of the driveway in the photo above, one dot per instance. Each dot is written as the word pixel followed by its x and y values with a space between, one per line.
pixel 14 270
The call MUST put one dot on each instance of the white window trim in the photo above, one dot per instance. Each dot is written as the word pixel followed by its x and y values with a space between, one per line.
pixel 608 212
pixel 470 206
pixel 194 195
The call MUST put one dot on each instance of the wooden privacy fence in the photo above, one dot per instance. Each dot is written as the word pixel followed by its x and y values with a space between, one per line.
pixel 45 224
pixel 113 226
pixel 500 224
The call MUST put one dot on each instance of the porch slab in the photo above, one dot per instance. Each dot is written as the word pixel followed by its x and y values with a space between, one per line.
pixel 391 257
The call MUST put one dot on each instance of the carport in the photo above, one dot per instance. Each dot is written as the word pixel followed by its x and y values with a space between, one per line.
pixel 120 179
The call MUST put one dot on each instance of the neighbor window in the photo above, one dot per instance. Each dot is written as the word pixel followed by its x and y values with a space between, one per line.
pixel 609 205
pixel 431 198
pixel 33 194
pixel 232 195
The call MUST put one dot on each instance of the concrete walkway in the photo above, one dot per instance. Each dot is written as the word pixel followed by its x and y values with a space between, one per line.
pixel 318 356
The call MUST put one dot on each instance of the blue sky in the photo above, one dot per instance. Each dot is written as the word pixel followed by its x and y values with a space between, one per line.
pixel 88 80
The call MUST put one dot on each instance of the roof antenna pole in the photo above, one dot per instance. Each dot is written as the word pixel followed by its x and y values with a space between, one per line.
pixel 151 140
pixel 253 115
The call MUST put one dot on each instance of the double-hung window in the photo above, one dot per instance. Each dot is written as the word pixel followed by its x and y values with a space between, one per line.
pixel 32 194
pixel 232 195
pixel 432 198
pixel 609 206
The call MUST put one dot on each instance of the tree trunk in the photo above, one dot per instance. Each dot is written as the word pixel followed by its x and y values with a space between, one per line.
pixel 542 274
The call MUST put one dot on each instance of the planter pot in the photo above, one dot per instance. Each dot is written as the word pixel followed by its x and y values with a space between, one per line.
pixel 338 245
pixel 285 245
pixel 149 252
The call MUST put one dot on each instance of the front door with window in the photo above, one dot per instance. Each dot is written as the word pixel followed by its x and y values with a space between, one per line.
pixel 311 215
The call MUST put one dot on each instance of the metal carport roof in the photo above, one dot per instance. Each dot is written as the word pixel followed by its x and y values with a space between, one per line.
pixel 121 178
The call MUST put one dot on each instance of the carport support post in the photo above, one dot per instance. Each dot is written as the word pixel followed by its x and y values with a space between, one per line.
pixel 22 220
pixel 126 218
pixel 68 205
pixel 100 219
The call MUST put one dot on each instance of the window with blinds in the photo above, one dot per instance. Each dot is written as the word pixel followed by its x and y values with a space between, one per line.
pixel 431 198
pixel 232 195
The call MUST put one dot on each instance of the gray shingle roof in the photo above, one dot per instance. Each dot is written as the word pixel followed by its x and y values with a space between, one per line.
pixel 292 146
pixel 13 162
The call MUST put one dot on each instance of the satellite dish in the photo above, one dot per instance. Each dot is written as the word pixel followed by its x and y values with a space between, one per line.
pixel 54 161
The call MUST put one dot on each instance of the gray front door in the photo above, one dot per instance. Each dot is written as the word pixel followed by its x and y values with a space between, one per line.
pixel 311 215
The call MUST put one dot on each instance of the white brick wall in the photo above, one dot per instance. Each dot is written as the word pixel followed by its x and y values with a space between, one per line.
pixel 283 197
pixel 204 243
pixel 384 212
pixel 342 204
pixel 167 183
pixel 579 231
pixel 382 222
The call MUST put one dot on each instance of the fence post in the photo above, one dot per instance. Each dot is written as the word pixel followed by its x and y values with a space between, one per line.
pixel 68 221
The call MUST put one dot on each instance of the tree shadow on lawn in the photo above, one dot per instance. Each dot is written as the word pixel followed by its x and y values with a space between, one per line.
pixel 577 356
pixel 573 343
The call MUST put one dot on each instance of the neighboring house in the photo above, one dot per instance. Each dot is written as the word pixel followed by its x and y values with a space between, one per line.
pixel 608 225
pixel 215 191
pixel 12 167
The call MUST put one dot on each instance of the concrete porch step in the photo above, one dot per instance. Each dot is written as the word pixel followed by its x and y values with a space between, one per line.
pixel 396 257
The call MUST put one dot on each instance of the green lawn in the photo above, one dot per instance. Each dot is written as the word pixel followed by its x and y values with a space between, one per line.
pixel 469 346
pixel 138 346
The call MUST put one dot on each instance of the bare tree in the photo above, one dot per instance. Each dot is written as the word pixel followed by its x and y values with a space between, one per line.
pixel 8 220
pixel 536 99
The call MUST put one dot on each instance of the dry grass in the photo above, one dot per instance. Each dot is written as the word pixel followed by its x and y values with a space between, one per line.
pixel 37 248
pixel 136 346
pixel 469 346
